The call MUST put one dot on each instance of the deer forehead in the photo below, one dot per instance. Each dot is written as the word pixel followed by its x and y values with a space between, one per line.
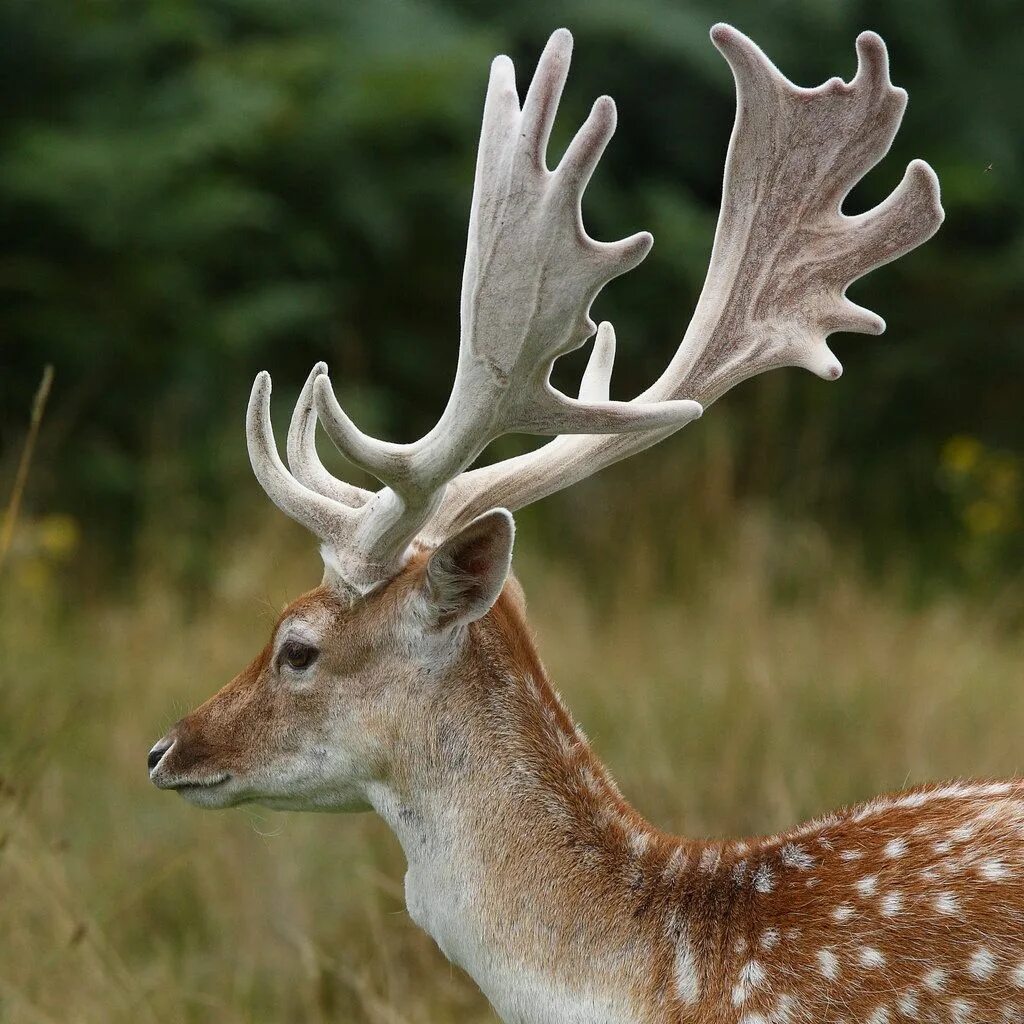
pixel 384 629
pixel 340 623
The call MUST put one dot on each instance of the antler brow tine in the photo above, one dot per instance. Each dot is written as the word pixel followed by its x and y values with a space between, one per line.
pixel 322 516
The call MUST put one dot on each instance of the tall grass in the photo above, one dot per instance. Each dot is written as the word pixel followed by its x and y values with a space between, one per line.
pixel 763 682
pixel 10 517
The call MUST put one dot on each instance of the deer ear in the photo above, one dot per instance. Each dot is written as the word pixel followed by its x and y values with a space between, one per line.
pixel 466 573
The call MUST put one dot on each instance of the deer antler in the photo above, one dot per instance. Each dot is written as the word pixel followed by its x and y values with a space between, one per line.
pixel 783 257
pixel 531 274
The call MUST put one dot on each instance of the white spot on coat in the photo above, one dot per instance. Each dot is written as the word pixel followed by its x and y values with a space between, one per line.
pixel 892 904
pixel 638 842
pixel 828 964
pixel 764 880
pixel 908 1005
pixel 994 870
pixel 784 1008
pixel 709 859
pixel 871 957
pixel 982 964
pixel 867 885
pixel 794 856
pixel 752 975
pixel 895 848
pixel 962 1010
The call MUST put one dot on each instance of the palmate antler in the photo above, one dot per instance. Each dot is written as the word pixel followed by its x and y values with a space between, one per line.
pixel 783 257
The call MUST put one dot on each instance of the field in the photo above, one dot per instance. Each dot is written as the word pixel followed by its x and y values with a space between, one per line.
pixel 758 679
pixel 815 597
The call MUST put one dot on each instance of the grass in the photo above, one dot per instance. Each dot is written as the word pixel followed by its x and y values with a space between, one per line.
pixel 761 682
pixel 10 518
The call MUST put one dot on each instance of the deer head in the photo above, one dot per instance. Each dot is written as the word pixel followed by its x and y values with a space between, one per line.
pixel 372 677
pixel 345 693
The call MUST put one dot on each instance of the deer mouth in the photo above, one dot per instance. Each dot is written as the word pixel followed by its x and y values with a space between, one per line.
pixel 213 792
pixel 185 785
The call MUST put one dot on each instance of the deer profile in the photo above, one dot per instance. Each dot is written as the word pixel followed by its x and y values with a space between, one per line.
pixel 407 681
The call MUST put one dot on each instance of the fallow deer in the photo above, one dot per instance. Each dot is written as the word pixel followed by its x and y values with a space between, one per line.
pixel 407 682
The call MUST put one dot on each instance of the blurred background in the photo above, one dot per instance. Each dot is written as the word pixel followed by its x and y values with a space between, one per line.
pixel 812 594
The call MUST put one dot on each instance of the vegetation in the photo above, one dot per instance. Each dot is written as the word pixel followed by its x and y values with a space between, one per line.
pixel 812 595
pixel 773 686
pixel 191 192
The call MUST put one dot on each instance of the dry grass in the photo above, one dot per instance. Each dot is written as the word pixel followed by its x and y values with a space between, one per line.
pixel 767 685
pixel 10 518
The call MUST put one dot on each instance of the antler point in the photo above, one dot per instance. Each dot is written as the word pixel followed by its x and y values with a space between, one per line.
pixel 829 368
pixel 606 105
pixel 928 181
pixel 872 59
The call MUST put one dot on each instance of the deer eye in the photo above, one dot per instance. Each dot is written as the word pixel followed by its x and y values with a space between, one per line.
pixel 297 655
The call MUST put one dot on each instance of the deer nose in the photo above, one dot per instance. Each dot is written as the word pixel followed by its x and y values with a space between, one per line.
pixel 158 751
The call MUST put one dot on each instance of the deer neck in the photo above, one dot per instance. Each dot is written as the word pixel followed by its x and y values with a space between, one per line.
pixel 525 864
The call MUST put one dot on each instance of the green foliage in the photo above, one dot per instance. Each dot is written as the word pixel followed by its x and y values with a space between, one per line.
pixel 193 191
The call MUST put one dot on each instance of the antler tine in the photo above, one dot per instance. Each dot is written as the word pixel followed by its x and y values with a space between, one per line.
pixel 597 377
pixel 303 460
pixel 325 518
pixel 794 156
pixel 543 95
pixel 783 257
